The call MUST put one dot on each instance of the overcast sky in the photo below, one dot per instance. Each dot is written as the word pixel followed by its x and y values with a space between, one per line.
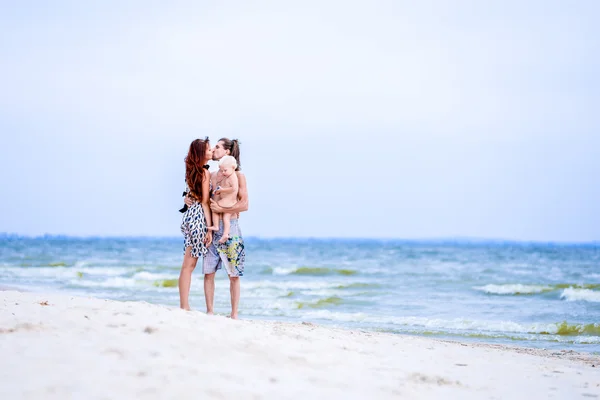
pixel 391 119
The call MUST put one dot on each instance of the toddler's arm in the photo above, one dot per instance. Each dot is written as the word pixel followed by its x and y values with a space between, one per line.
pixel 243 201
pixel 234 186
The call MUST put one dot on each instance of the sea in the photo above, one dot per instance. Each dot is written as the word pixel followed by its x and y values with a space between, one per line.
pixel 542 295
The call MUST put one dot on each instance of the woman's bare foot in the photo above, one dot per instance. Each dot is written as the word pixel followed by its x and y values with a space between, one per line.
pixel 233 316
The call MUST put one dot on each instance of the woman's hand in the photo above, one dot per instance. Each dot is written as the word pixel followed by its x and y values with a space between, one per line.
pixel 188 201
pixel 208 238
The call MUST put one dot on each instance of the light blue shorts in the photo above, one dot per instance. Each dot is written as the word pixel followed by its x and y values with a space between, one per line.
pixel 231 254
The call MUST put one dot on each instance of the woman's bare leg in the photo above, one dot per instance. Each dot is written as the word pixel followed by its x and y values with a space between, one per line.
pixel 185 278
pixel 209 292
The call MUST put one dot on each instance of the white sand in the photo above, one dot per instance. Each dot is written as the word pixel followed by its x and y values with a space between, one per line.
pixel 85 348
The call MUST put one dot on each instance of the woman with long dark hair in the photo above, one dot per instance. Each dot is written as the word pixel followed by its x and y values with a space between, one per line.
pixel 196 216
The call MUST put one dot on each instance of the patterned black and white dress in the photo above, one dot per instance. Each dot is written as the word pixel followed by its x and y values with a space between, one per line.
pixel 194 229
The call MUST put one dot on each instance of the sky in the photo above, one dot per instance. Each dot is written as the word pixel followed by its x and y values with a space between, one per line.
pixel 364 119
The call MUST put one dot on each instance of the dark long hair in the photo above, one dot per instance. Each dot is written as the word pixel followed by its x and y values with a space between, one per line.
pixel 234 150
pixel 194 163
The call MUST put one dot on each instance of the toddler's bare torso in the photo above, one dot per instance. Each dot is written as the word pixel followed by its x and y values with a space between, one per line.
pixel 224 182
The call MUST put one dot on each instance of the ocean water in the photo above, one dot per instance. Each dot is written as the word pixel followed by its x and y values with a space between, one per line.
pixel 532 295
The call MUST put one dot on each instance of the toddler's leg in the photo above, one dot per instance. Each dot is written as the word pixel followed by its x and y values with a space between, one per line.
pixel 226 226
pixel 215 221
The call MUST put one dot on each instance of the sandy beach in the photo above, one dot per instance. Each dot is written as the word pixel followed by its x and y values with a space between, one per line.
pixel 58 346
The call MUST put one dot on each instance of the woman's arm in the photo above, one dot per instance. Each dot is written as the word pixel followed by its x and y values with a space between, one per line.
pixel 242 203
pixel 206 197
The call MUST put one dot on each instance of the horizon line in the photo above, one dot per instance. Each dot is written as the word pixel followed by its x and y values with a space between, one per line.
pixel 457 239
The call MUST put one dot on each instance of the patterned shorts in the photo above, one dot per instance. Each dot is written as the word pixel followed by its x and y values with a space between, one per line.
pixel 231 254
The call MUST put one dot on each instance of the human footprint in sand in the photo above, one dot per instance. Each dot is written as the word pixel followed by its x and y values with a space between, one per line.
pixel 225 182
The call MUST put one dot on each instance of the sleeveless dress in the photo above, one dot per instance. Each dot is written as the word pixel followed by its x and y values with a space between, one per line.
pixel 193 227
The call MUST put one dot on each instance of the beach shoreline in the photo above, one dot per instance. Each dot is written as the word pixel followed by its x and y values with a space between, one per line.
pixel 4 288
pixel 60 346
pixel 532 297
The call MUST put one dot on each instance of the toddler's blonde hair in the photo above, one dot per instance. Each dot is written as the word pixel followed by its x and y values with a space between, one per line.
pixel 228 161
